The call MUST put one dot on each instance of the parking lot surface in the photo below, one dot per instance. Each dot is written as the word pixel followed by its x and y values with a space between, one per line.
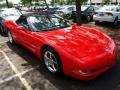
pixel 21 70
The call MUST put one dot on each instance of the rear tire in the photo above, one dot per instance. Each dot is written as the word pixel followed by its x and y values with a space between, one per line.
pixel 10 37
pixel 115 23
pixel 52 61
pixel 3 29
pixel 88 18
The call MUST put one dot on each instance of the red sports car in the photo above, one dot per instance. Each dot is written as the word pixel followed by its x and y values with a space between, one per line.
pixel 76 51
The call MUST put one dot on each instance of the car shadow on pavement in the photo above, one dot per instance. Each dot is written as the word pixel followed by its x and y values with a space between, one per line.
pixel 109 25
pixel 107 81
pixel 3 34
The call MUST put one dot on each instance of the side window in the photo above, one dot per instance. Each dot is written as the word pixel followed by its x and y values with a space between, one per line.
pixel 23 22
pixel 70 8
pixel 91 9
pixel 96 8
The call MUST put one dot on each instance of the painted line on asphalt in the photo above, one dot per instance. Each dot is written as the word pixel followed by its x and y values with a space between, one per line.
pixel 16 75
pixel 23 80
pixel 3 42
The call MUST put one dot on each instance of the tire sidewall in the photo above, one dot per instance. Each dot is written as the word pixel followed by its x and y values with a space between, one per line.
pixel 115 21
pixel 88 18
pixel 12 40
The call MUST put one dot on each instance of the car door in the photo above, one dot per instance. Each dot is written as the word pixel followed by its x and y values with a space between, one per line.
pixel 26 36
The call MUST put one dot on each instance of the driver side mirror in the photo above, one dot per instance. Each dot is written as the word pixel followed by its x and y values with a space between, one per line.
pixel 20 28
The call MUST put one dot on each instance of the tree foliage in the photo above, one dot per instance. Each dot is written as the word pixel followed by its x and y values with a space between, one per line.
pixel 26 2
pixel 106 1
pixel 29 2
pixel 4 5
pixel 81 1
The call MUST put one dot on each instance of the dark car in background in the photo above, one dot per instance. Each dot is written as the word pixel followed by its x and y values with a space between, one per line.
pixel 8 14
pixel 52 10
pixel 87 12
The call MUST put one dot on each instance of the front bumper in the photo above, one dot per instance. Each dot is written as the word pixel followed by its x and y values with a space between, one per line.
pixel 91 75
pixel 98 65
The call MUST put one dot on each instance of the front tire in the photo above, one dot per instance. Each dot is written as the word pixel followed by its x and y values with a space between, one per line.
pixel 52 61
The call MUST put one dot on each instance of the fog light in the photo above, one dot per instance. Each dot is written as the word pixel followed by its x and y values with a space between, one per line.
pixel 83 72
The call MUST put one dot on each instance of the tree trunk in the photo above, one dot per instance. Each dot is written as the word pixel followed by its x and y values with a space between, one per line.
pixel 7 3
pixel 78 12
pixel 30 2
pixel 116 2
pixel 90 2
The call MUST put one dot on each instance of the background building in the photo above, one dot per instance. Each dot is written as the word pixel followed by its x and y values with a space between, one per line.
pixel 102 1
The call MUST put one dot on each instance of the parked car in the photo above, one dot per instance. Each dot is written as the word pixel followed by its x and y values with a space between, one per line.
pixel 8 14
pixel 65 10
pixel 52 10
pixel 87 12
pixel 38 8
pixel 109 13
pixel 77 51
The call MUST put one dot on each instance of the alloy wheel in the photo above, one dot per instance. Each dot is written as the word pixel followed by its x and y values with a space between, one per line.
pixel 50 62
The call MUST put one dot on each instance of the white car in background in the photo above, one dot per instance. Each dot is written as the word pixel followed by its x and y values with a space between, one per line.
pixel 8 14
pixel 108 14
pixel 65 10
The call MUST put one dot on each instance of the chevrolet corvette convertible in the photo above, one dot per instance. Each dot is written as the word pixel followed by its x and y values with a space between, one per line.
pixel 77 51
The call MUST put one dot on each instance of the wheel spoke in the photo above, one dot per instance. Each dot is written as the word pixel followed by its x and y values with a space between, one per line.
pixel 50 54
pixel 53 66
pixel 54 62
pixel 46 57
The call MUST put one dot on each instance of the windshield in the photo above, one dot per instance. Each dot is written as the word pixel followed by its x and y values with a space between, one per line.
pixel 47 22
pixel 83 8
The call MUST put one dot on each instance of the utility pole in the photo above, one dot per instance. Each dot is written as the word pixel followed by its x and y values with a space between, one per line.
pixel 7 3
pixel 78 12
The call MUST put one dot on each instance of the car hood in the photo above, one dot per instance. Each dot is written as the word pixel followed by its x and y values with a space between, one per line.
pixel 79 41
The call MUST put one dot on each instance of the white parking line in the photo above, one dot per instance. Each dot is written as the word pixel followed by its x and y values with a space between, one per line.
pixel 3 42
pixel 23 80
pixel 16 75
